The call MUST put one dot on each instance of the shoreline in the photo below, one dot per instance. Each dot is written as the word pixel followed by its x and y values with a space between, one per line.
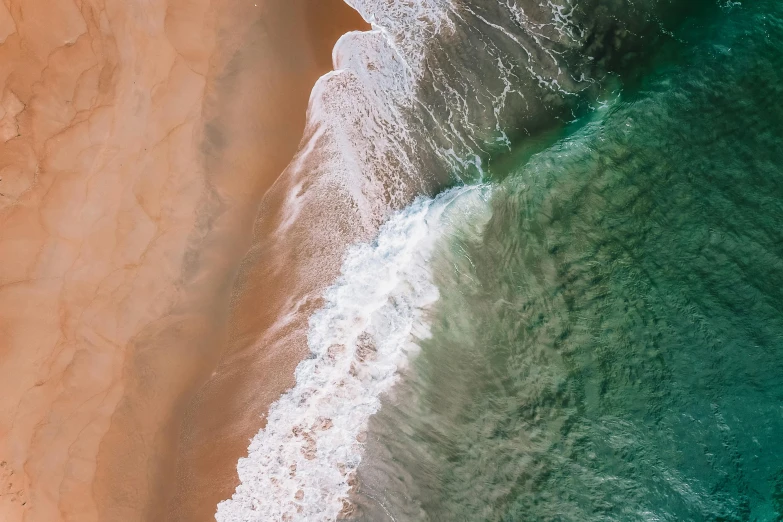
pixel 229 408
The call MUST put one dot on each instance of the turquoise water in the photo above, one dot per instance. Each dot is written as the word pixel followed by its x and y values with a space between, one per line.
pixel 608 343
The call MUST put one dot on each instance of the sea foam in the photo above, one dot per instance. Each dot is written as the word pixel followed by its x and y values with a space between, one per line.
pixel 302 466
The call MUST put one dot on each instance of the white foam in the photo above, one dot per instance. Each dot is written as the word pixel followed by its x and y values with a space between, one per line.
pixel 300 467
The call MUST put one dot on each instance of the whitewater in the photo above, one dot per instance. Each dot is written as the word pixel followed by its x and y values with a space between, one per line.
pixel 417 104
pixel 302 465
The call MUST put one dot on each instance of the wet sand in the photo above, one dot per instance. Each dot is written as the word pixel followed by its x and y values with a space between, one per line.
pixel 259 361
pixel 136 143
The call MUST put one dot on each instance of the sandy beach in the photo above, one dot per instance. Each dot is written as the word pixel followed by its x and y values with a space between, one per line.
pixel 137 142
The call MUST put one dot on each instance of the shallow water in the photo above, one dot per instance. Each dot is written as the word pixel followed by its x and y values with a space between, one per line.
pixel 608 342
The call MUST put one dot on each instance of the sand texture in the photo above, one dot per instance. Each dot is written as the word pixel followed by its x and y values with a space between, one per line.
pixel 136 142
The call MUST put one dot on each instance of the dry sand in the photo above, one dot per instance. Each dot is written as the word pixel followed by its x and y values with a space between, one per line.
pixel 136 142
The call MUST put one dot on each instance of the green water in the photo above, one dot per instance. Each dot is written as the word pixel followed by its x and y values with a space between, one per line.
pixel 608 344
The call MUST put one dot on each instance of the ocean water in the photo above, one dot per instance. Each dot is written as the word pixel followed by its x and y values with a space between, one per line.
pixel 608 345
pixel 572 307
